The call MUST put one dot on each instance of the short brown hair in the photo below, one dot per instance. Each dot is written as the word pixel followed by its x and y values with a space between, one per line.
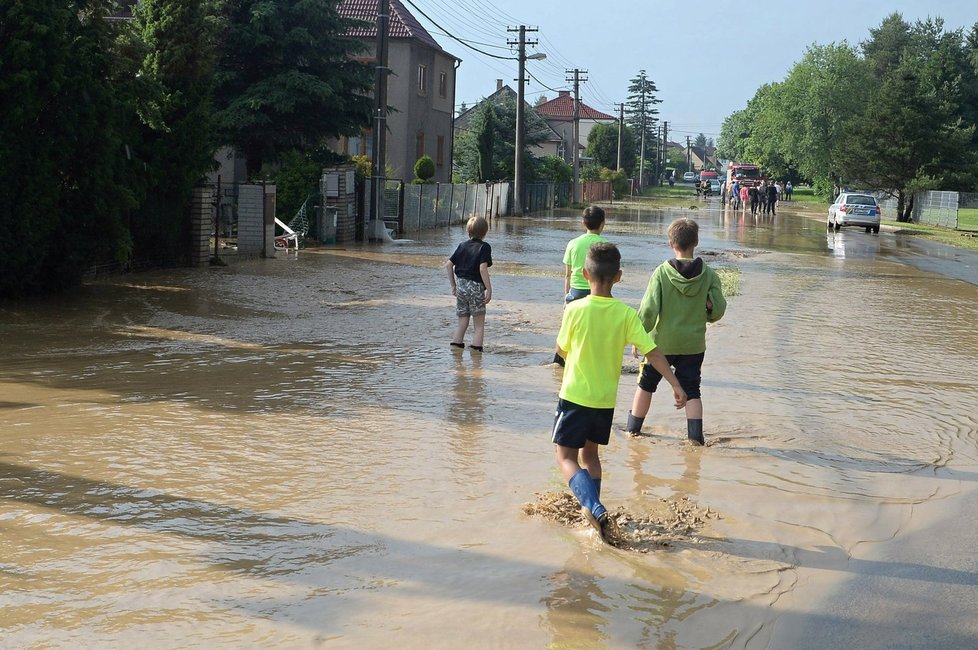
pixel 684 233
pixel 477 227
pixel 593 217
pixel 603 261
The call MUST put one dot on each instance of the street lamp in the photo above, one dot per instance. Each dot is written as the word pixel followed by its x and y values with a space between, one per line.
pixel 520 126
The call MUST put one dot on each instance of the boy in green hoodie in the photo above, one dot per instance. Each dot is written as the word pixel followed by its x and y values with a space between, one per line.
pixel 683 295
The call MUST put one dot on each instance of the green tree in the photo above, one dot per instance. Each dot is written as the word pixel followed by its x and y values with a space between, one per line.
pixel 172 40
pixel 911 135
pixel 554 169
pixel 486 150
pixel 602 146
pixel 640 115
pixel 62 150
pixel 287 79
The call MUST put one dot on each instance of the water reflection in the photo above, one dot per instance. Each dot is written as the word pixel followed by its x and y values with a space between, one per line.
pixel 289 447
pixel 852 245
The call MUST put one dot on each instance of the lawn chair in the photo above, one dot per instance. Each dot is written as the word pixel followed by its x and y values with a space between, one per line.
pixel 289 238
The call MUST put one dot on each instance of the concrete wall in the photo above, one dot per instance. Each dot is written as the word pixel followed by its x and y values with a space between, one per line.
pixel 251 220
pixel 202 211
pixel 338 187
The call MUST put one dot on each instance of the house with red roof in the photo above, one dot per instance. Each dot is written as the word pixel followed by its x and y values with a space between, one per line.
pixel 559 114
pixel 420 91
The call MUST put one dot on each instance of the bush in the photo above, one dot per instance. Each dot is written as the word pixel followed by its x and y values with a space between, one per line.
pixel 619 181
pixel 424 169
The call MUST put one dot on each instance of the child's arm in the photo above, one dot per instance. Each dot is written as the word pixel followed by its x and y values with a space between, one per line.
pixel 659 362
pixel 567 278
pixel 716 304
pixel 484 273
pixel 451 274
pixel 648 310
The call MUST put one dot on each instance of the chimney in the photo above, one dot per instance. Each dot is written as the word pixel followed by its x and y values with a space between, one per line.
pixel 564 93
pixel 499 84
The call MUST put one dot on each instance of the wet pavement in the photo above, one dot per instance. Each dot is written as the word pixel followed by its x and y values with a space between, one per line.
pixel 285 453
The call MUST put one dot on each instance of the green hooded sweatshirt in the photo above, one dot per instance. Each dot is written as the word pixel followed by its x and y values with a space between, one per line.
pixel 673 309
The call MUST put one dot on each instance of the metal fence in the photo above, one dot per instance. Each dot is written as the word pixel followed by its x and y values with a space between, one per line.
pixel 545 196
pixel 936 208
pixel 442 204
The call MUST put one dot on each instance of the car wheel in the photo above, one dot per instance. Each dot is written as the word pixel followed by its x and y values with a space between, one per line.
pixel 876 229
pixel 869 229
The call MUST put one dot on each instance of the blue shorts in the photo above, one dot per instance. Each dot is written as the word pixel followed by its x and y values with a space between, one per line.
pixel 687 368
pixel 576 294
pixel 575 425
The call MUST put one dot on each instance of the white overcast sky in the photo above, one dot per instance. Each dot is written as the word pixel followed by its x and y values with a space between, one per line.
pixel 707 58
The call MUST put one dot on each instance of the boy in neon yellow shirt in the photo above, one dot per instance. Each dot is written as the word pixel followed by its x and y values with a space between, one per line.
pixel 592 340
pixel 575 285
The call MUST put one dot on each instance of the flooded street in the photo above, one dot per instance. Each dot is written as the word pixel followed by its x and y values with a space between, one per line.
pixel 286 453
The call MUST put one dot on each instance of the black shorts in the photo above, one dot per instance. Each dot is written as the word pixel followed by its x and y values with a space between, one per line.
pixel 575 425
pixel 687 368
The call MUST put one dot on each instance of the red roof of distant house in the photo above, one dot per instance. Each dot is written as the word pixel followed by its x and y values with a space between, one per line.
pixel 402 23
pixel 562 107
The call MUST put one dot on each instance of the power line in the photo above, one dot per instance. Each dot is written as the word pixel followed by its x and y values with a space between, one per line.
pixel 530 75
pixel 449 14
pixel 452 36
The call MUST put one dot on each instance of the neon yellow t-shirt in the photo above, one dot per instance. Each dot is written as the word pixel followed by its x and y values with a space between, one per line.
pixel 593 334
pixel 575 254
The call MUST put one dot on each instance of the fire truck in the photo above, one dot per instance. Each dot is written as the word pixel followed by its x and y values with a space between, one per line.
pixel 743 172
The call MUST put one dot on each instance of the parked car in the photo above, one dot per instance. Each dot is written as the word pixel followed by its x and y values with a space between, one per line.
pixel 853 209
pixel 689 176
pixel 715 187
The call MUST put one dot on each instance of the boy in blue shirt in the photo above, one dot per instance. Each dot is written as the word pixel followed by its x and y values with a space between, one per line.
pixel 592 340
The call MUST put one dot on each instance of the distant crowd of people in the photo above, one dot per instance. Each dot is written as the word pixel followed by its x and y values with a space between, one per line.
pixel 760 196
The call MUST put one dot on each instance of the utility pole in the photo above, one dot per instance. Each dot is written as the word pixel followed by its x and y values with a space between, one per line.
pixel 520 116
pixel 578 80
pixel 641 160
pixel 665 140
pixel 621 129
pixel 689 155
pixel 379 148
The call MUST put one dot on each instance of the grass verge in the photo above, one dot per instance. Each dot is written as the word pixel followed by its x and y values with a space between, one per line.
pixel 961 239
pixel 729 280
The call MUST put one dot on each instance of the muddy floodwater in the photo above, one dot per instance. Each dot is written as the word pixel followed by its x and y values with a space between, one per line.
pixel 287 454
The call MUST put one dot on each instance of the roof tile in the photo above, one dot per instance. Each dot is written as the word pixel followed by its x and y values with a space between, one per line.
pixel 402 23
pixel 562 107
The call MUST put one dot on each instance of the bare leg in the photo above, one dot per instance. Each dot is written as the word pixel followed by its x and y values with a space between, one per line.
pixel 478 329
pixel 642 402
pixel 463 324
pixel 694 409
pixel 567 461
pixel 590 460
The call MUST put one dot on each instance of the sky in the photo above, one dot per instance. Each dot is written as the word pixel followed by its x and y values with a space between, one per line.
pixel 707 59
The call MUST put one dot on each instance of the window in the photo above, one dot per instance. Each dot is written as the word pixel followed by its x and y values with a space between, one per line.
pixel 443 85
pixel 419 151
pixel 440 151
pixel 422 79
